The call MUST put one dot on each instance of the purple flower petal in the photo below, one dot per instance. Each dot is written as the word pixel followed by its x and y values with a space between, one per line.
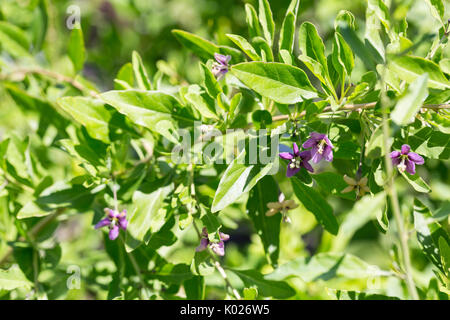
pixel 305 155
pixel 286 155
pixel 307 166
pixel 395 154
pixel 405 149
pixel 416 158
pixel 123 223
pixel 291 172
pixel 203 245
pixel 396 161
pixel 222 59
pixel 316 156
pixel 295 148
pixel 309 143
pixel 410 167
pixel 317 136
pixel 328 141
pixel 218 248
pixel 328 153
pixel 103 223
pixel 224 236
pixel 114 232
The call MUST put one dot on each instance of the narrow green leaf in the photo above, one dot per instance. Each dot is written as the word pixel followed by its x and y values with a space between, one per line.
pixel 154 110
pixel 201 101
pixel 416 182
pixel 201 47
pixel 91 113
pixel 268 228
pixel 409 68
pixel 266 20
pixel 76 50
pixel 280 82
pixel 238 178
pixel 429 232
pixel 254 28
pixel 437 9
pixel 212 86
pixel 147 216
pixel 407 107
pixel 245 46
pixel 140 73
pixel 13 278
pixel 317 205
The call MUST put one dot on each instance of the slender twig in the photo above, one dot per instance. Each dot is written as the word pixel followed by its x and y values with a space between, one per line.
pixel 392 192
pixel 54 75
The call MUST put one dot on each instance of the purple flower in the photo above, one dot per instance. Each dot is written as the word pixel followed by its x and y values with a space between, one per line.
pixel 220 68
pixel 297 160
pixel 321 147
pixel 115 221
pixel 405 159
pixel 217 247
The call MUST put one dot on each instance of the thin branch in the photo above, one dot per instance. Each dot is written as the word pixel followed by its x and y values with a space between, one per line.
pixel 392 192
pixel 54 75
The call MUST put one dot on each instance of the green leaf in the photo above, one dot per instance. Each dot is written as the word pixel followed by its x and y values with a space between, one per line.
pixel 201 47
pixel 429 233
pixel 416 182
pixel 195 288
pixel 268 228
pixel 288 28
pixel 90 113
pixel 240 177
pixel 326 266
pixel 14 40
pixel 266 20
pixel 13 278
pixel 431 143
pixel 263 48
pixel 366 209
pixel 316 204
pixel 147 216
pixel 245 46
pixel 254 28
pixel 212 86
pixel 444 249
pixel 76 50
pixel 313 53
pixel 372 35
pixel 250 293
pixel 437 9
pixel 125 74
pixel 444 64
pixel 342 55
pixel 407 106
pixel 204 104
pixel 140 73
pixel 280 82
pixel 154 110
pixel 266 288
pixel 409 68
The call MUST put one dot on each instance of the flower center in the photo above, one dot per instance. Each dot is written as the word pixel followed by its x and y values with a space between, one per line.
pixel 295 163
pixel 321 146
pixel 401 166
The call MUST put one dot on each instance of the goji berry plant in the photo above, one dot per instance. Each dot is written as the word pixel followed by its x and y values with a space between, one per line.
pixel 297 160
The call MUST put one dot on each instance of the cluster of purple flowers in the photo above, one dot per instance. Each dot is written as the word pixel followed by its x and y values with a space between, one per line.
pixel 217 247
pixel 115 221
pixel 321 148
